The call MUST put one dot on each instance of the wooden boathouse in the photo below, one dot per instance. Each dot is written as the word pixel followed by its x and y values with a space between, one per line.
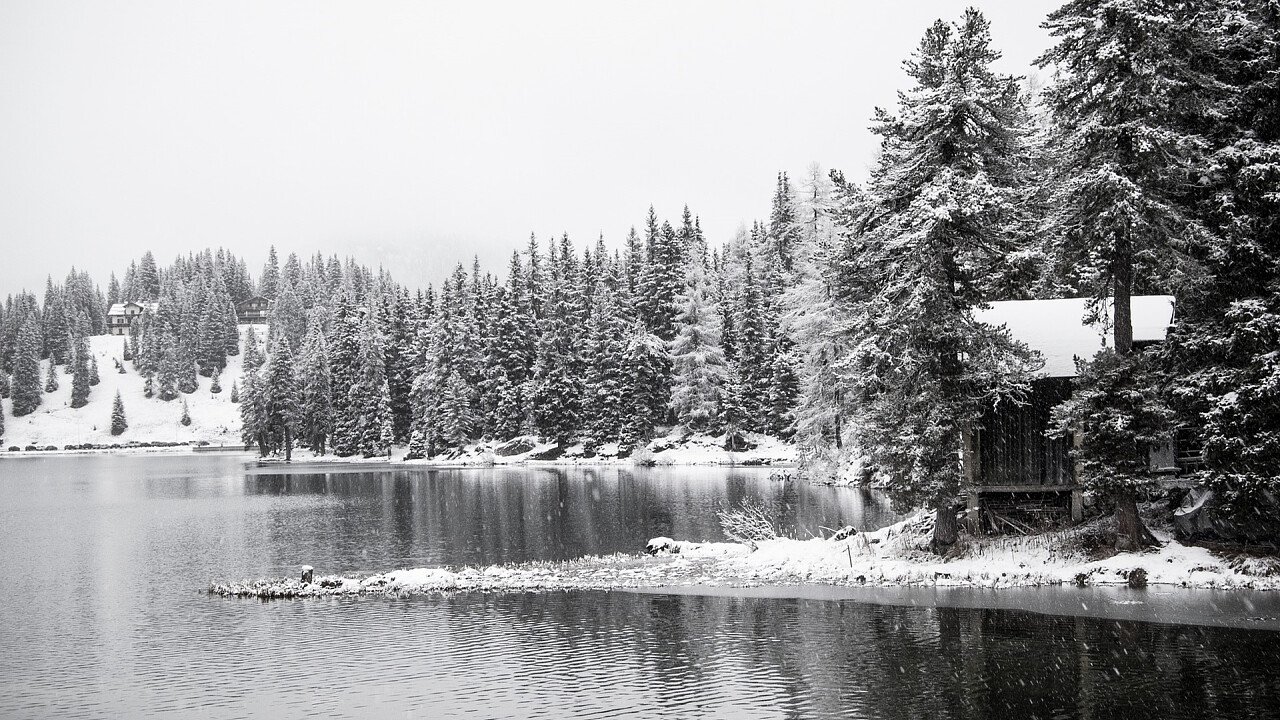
pixel 1017 477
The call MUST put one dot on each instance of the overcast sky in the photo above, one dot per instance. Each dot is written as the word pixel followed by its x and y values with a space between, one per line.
pixel 416 134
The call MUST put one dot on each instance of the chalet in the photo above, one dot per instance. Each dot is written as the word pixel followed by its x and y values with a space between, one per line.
pixel 1010 463
pixel 253 310
pixel 121 315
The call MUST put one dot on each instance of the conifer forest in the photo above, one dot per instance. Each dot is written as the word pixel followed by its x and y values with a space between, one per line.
pixel 842 320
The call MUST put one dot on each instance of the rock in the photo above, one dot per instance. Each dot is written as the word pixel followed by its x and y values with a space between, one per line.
pixel 661 545
pixel 514 446
pixel 1137 578
pixel 844 533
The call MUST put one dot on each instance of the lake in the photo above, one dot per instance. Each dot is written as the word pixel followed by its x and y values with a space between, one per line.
pixel 103 611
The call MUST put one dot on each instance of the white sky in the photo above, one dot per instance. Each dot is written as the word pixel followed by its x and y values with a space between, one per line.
pixel 416 134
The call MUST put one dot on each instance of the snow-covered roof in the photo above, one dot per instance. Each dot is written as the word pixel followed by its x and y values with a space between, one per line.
pixel 118 308
pixel 1057 329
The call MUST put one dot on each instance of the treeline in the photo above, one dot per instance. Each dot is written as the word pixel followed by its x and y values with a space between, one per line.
pixel 846 320
pixel 573 345
pixel 1149 164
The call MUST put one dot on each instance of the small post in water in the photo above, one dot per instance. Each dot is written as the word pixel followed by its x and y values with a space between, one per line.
pixel 308 573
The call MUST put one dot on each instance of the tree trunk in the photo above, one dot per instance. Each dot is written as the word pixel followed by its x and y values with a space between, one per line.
pixel 946 529
pixel 1122 299
pixel 288 444
pixel 1131 534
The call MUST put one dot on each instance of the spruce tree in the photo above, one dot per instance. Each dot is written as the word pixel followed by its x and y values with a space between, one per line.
pixel 278 395
pixel 118 422
pixel 1125 98
pixel 169 369
pixel 1220 359
pixel 80 374
pixel 697 360
pixel 51 377
pixel 315 419
pixel 186 414
pixel 945 191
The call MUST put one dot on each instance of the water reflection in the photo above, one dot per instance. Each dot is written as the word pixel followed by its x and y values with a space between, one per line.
pixel 102 614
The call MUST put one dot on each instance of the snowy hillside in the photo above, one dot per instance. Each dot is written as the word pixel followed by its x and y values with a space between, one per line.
pixel 214 418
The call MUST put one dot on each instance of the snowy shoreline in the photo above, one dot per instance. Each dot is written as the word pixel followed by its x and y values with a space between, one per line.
pixel 892 557
pixel 671 451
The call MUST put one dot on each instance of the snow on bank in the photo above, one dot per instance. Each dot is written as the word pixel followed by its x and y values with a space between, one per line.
pixel 214 418
pixel 891 557
pixel 674 448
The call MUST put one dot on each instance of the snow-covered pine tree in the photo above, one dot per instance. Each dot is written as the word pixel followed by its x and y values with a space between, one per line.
pixel 278 395
pixel 922 256
pixel 315 418
pixel 1128 85
pixel 250 410
pixel 269 282
pixel 51 377
pixel 287 318
pixel 811 316
pixel 645 363
pixel 252 349
pixel 170 368
pixel 512 352
pixel 698 364
pixel 80 373
pixel 1221 355
pixel 186 414
pixel 118 422
pixel 94 377
pixel 344 369
pixel 370 397
pixel 606 384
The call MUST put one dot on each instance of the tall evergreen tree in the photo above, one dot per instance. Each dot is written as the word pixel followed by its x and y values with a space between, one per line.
pixel 921 258
pixel 26 387
pixel 697 359
pixel 1128 84
pixel 315 416
pixel 118 422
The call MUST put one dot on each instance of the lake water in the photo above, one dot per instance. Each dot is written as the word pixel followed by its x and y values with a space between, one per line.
pixel 104 561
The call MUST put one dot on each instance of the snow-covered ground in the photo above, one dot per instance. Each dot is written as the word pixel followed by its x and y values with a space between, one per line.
pixel 214 418
pixel 674 448
pixel 893 556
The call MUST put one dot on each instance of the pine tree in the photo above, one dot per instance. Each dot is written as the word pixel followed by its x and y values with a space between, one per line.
pixel 235 392
pixel 118 422
pixel 315 419
pixel 370 396
pixel 186 414
pixel 94 377
pixel 80 374
pixel 51 377
pixel 270 281
pixel 1125 94
pixel 170 367
pixel 922 257
pixel 697 359
pixel 1220 360
pixel 278 395
pixel 252 351
pixel 215 386
pixel 344 367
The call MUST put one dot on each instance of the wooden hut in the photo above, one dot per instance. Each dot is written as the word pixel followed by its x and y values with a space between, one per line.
pixel 1015 472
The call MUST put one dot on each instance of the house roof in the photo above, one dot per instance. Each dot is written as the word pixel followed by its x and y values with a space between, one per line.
pixel 1056 328
pixel 118 308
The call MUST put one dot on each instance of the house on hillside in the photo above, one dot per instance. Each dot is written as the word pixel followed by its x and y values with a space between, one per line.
pixel 1015 472
pixel 121 315
pixel 253 310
